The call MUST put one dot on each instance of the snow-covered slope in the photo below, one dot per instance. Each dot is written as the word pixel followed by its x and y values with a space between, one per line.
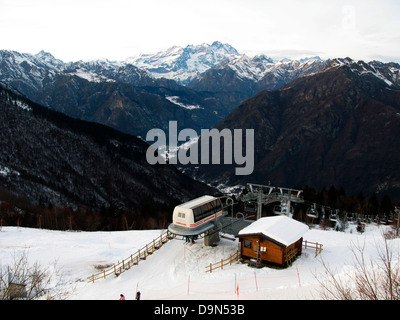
pixel 192 62
pixel 23 70
pixel 177 270
pixel 260 66
pixel 389 73
pixel 183 64
pixel 248 68
pixel 29 71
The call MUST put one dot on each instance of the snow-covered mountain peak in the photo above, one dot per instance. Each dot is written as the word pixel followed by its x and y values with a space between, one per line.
pixel 262 58
pixel 46 59
pixel 184 63
pixel 217 45
pixel 259 66
pixel 310 59
pixel 181 64
pixel 47 56
pixel 248 68
pixel 387 72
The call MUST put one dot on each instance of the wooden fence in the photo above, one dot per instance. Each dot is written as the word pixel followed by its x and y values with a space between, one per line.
pixel 291 256
pixel 315 245
pixel 220 264
pixel 133 259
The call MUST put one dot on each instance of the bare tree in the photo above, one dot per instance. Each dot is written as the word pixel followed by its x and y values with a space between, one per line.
pixel 19 280
pixel 369 280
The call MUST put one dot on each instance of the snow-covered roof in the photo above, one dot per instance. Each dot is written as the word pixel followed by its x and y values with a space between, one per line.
pixel 196 202
pixel 282 229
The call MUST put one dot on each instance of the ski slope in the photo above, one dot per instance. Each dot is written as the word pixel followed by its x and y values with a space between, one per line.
pixel 177 270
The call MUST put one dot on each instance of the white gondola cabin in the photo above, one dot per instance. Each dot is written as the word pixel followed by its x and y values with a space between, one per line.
pixel 196 216
pixel 283 209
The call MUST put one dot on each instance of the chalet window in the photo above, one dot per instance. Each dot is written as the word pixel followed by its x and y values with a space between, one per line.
pixel 263 249
pixel 247 244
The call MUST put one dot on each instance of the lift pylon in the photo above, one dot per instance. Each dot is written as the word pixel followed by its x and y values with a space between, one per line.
pixel 265 194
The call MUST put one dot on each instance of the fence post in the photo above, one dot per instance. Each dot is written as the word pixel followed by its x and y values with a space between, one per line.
pixel 102 274
pixel 210 267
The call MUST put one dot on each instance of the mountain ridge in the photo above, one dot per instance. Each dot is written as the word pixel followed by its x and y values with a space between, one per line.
pixel 336 127
pixel 73 87
pixel 50 158
pixel 184 63
pixel 131 100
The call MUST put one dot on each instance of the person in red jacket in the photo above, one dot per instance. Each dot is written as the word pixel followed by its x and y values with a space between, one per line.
pixel 121 297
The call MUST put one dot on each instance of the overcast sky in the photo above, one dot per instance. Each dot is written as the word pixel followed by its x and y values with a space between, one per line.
pixel 90 29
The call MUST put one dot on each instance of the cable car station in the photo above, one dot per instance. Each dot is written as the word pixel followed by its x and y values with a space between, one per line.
pixel 207 216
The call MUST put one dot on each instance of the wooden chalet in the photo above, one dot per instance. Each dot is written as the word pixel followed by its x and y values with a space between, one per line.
pixel 273 240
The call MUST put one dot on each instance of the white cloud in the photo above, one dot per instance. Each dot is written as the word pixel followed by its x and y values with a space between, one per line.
pixel 117 29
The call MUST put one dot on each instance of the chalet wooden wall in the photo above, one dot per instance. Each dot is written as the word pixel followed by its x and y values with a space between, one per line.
pixel 269 251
